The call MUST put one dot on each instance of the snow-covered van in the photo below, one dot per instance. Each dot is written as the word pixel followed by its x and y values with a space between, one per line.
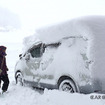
pixel 69 56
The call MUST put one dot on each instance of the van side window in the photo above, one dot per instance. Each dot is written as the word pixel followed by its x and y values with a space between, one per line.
pixel 36 52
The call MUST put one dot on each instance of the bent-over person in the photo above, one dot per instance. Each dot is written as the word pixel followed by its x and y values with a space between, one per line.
pixel 3 69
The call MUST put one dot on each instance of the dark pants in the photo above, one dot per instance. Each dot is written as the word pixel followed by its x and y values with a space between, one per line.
pixel 5 80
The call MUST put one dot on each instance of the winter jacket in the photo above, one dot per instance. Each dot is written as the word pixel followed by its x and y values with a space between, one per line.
pixel 3 66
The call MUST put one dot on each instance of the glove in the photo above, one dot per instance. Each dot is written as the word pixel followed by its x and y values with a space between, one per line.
pixel 0 71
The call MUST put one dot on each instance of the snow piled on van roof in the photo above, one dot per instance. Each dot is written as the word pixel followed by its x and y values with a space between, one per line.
pixel 89 26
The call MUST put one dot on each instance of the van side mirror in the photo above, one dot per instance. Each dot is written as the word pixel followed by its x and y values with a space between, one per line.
pixel 20 56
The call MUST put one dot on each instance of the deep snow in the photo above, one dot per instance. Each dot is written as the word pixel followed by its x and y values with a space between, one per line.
pixel 26 96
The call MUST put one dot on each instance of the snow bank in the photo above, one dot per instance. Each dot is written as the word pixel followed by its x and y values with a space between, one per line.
pixel 26 96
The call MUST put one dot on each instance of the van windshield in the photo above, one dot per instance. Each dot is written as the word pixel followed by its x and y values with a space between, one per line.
pixel 36 51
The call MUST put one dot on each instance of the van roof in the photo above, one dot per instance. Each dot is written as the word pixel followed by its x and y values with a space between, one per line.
pixel 89 26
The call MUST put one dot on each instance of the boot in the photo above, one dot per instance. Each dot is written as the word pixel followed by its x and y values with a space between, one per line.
pixel 3 91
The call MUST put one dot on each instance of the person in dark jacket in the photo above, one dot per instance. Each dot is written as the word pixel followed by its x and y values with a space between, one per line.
pixel 3 69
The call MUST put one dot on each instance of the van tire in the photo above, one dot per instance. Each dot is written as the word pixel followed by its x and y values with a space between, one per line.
pixel 19 78
pixel 67 85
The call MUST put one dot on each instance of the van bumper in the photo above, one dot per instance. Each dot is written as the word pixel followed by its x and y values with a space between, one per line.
pixel 95 87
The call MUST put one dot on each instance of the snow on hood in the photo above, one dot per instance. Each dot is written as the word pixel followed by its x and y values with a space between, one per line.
pixel 29 42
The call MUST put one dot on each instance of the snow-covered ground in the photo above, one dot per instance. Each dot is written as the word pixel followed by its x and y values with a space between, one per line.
pixel 26 96
pixel 18 95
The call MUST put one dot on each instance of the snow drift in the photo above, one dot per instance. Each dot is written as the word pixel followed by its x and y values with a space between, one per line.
pixel 26 96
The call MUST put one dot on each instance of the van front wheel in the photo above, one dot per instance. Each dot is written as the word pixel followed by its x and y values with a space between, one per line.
pixel 19 79
pixel 67 85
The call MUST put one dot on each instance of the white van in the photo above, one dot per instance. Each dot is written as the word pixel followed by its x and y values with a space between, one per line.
pixel 68 56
